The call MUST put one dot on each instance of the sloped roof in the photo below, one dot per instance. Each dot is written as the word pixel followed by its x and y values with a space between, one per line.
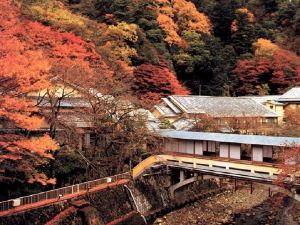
pixel 221 106
pixel 291 95
pixel 263 99
pixel 68 102
pixel 232 138
pixel 184 124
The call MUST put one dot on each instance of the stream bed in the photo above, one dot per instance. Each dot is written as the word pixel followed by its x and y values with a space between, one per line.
pixel 240 207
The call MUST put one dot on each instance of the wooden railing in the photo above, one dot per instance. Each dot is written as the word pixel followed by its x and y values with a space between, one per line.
pixel 57 193
pixel 145 164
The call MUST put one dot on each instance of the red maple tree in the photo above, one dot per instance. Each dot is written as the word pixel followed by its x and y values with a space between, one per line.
pixel 152 82
pixel 277 71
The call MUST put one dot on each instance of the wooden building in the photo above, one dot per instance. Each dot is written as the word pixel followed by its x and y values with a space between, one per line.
pixel 255 148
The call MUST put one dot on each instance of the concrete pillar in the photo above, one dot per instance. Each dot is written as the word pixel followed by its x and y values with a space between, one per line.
pixel 181 175
pixel 87 140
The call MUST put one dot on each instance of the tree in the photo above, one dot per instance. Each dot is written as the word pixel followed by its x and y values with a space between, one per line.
pixel 118 129
pixel 271 66
pixel 23 70
pixel 171 28
pixel 243 31
pixel 289 165
pixel 153 82
pixel 222 17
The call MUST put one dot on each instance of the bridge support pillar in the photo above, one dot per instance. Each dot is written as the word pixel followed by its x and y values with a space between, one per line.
pixel 181 176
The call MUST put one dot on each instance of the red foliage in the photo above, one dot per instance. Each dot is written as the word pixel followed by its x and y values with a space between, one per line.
pixel 152 82
pixel 289 165
pixel 30 54
pixel 279 71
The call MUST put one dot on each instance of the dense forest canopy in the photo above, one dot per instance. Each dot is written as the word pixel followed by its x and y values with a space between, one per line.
pixel 209 45
pixel 138 50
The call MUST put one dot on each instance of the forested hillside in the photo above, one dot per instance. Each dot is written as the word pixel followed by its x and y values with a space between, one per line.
pixel 134 52
pixel 226 47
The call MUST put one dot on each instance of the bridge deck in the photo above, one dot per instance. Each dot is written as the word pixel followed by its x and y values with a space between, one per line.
pixel 215 166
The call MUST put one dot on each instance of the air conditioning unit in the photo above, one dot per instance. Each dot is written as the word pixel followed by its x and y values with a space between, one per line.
pixel 16 202
pixel 108 179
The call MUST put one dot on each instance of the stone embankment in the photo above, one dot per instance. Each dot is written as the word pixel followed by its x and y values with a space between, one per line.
pixel 240 207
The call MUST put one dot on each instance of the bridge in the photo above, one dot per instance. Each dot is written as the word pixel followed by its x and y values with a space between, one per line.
pixel 203 153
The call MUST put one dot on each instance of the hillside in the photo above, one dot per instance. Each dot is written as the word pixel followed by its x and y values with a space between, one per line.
pixel 209 46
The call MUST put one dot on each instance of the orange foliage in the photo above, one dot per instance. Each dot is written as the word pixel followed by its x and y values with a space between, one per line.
pixel 40 146
pixel 177 16
pixel 190 17
pixel 264 47
pixel 30 54
pixel 42 179
pixel 249 14
pixel 167 24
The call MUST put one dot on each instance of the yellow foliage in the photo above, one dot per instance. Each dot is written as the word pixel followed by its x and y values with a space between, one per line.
pixel 55 13
pixel 264 47
pixel 115 41
pixel 123 31
pixel 249 14
pixel 189 16
pixel 167 24
pixel 178 16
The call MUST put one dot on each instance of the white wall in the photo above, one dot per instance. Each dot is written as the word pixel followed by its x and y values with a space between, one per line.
pixel 190 147
pixel 174 145
pixel 224 148
pixel 199 147
pixel 257 152
pixel 182 146
pixel 235 151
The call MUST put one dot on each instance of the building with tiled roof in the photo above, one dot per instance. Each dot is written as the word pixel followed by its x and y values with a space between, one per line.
pixel 182 110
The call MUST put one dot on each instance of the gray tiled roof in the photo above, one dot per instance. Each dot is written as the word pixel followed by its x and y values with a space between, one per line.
pixel 67 103
pixel 232 138
pixel 222 106
pixel 165 110
pixel 263 99
pixel 183 124
pixel 291 95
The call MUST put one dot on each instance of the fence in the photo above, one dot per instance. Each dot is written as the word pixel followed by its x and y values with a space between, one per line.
pixel 56 193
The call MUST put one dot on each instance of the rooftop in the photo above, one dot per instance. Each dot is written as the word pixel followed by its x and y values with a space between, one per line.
pixel 232 138
pixel 221 106
pixel 291 95
pixel 263 99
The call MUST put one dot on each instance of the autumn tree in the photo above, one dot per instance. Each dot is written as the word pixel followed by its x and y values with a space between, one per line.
pixel 205 123
pixel 118 129
pixel 153 82
pixel 291 126
pixel 273 67
pixel 289 166
pixel 23 70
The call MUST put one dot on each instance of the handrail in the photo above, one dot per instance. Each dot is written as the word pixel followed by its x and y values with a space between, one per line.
pixel 57 193
pixel 145 164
